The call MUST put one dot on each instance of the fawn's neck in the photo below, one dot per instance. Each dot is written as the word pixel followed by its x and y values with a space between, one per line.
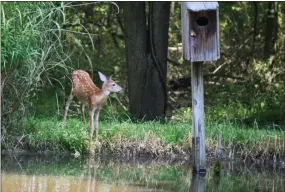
pixel 105 91
pixel 100 97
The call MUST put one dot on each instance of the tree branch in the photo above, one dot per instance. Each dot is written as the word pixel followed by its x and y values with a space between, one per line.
pixel 174 62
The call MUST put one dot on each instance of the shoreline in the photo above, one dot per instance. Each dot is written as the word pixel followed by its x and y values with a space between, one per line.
pixel 127 140
pixel 135 150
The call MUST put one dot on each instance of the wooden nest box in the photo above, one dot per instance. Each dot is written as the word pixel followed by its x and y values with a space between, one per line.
pixel 200 31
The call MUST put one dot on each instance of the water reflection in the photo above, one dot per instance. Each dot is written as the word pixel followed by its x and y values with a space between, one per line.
pixel 46 173
pixel 64 173
pixel 31 183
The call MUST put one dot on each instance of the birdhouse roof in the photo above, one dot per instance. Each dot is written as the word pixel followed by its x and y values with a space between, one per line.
pixel 202 6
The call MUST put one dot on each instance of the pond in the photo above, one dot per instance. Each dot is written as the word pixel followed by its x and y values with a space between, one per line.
pixel 31 172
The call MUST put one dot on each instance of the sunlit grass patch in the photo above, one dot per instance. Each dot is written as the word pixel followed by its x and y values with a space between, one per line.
pixel 68 136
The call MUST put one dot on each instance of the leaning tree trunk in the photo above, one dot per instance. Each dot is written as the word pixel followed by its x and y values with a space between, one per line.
pixel 146 53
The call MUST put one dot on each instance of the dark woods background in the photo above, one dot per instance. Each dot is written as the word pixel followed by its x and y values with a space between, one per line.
pixel 42 42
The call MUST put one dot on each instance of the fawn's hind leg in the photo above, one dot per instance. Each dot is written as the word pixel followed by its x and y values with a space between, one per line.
pixel 82 107
pixel 70 98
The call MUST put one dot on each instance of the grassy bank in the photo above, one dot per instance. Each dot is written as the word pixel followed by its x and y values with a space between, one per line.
pixel 152 138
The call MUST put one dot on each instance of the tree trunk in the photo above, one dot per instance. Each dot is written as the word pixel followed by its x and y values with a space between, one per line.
pixel 282 27
pixel 146 53
pixel 255 5
pixel 271 29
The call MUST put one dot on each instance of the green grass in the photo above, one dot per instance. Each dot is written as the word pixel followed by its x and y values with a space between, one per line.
pixel 43 132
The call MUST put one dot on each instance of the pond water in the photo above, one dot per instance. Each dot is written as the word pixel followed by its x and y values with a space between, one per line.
pixel 29 173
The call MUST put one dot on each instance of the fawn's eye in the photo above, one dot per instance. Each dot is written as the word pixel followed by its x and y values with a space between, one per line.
pixel 114 85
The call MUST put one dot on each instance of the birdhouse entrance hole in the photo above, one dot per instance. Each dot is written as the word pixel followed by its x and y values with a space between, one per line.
pixel 202 21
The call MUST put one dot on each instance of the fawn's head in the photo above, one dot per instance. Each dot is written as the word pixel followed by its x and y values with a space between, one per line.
pixel 109 85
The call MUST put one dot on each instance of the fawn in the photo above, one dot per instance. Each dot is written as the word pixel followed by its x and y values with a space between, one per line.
pixel 89 94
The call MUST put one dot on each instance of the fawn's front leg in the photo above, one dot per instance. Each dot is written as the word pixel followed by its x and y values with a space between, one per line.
pixel 97 122
pixel 91 113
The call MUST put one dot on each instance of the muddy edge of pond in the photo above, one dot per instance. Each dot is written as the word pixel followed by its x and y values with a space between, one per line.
pixel 144 150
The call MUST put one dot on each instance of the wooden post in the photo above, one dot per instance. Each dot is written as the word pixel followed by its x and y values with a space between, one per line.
pixel 197 85
pixel 200 40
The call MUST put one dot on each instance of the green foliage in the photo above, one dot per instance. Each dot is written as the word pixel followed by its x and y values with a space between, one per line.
pixel 40 47
pixel 31 56
pixel 242 84
pixel 42 42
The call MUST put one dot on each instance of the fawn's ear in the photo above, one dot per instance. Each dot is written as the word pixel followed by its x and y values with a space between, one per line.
pixel 102 77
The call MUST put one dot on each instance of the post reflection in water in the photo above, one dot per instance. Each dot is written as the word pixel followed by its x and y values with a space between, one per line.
pixel 198 183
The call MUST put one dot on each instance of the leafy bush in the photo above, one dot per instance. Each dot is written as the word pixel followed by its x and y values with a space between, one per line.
pixel 31 56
